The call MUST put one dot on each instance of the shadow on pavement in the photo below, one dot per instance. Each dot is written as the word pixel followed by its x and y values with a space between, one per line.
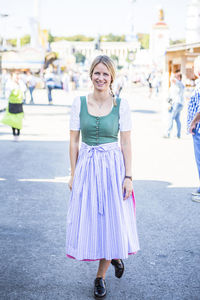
pixel 47 104
pixel 144 111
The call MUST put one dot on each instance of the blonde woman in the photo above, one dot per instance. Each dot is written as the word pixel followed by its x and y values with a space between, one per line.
pixel 101 221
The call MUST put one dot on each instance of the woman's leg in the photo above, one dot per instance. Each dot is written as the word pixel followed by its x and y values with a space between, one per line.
pixel 18 132
pixel 178 124
pixel 170 123
pixel 196 140
pixel 31 88
pixel 49 88
pixel 177 119
pixel 99 283
pixel 13 130
pixel 103 267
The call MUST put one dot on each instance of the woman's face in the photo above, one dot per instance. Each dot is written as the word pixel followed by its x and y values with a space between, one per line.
pixel 101 77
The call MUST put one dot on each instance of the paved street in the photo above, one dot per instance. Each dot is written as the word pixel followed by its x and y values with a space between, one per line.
pixel 34 195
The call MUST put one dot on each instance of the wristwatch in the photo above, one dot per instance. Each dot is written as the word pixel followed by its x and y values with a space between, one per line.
pixel 129 177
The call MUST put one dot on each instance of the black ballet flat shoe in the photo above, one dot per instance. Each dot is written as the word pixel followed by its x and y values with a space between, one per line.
pixel 119 267
pixel 99 287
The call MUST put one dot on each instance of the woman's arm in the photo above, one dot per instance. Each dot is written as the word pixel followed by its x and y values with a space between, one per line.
pixel 125 141
pixel 73 152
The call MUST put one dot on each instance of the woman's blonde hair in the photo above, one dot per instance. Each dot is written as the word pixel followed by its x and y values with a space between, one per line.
pixel 108 62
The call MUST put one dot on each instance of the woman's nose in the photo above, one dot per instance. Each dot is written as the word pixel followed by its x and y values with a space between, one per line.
pixel 100 76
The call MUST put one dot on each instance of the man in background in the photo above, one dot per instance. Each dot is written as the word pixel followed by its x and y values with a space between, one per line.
pixel 193 122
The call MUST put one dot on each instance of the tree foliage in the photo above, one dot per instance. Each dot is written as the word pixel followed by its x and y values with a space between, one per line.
pixel 51 38
pixel 74 38
pixel 80 58
pixel 12 42
pixel 25 40
pixel 113 38
pixel 143 38
pixel 175 42
pixel 115 58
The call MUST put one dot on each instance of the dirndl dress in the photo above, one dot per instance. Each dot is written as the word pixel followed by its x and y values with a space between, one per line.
pixel 14 113
pixel 100 223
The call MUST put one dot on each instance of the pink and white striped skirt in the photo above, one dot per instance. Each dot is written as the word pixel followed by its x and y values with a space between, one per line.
pixel 100 224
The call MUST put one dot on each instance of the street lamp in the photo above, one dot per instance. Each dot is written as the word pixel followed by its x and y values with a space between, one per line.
pixel 18 36
pixel 3 46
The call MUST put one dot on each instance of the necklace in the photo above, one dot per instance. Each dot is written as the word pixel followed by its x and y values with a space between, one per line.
pixel 100 104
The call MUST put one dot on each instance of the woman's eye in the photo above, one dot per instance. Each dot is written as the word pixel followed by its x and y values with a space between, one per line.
pixel 106 74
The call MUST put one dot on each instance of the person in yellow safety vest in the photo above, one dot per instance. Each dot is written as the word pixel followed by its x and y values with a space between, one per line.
pixel 14 115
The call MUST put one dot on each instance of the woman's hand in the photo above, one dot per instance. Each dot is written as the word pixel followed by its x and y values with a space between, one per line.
pixel 194 123
pixel 127 188
pixel 70 182
pixel 192 128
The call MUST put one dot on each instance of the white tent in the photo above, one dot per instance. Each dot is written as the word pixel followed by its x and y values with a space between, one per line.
pixel 28 58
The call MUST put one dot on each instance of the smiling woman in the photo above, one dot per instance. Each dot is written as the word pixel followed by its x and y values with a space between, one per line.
pixel 101 221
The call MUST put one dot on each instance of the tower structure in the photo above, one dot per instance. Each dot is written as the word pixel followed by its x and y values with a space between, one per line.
pixel 34 24
pixel 131 37
pixel 193 22
pixel 159 39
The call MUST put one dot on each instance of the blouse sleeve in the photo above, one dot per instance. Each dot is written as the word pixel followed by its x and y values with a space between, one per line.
pixel 125 122
pixel 75 115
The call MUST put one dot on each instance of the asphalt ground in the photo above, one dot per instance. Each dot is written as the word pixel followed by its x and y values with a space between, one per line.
pixel 34 196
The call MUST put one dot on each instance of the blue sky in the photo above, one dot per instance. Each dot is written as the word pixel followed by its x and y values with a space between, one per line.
pixel 92 17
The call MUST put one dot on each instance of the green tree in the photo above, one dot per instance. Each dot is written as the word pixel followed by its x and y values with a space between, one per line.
pixel 25 40
pixel 113 38
pixel 74 38
pixel 12 42
pixel 51 38
pixel 143 38
pixel 175 42
pixel 115 58
pixel 80 58
pixel 79 38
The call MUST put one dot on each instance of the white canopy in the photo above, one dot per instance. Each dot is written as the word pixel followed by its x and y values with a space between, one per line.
pixel 28 58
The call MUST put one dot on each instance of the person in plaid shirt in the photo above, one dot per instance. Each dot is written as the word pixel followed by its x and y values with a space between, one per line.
pixel 193 122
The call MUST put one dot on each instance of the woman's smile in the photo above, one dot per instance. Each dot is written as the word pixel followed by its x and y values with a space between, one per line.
pixel 101 77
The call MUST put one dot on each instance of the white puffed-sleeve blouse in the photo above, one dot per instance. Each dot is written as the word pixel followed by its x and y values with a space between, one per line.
pixel 125 123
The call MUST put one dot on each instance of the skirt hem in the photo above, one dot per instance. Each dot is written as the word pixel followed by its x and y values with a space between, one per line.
pixel 69 256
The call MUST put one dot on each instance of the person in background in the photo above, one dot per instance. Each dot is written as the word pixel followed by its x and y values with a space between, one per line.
pixel 150 80
pixel 66 81
pixel 157 82
pixel 31 84
pixel 101 222
pixel 5 76
pixel 119 84
pixel 50 82
pixel 193 122
pixel 75 80
pixel 176 96
pixel 13 117
pixel 23 77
